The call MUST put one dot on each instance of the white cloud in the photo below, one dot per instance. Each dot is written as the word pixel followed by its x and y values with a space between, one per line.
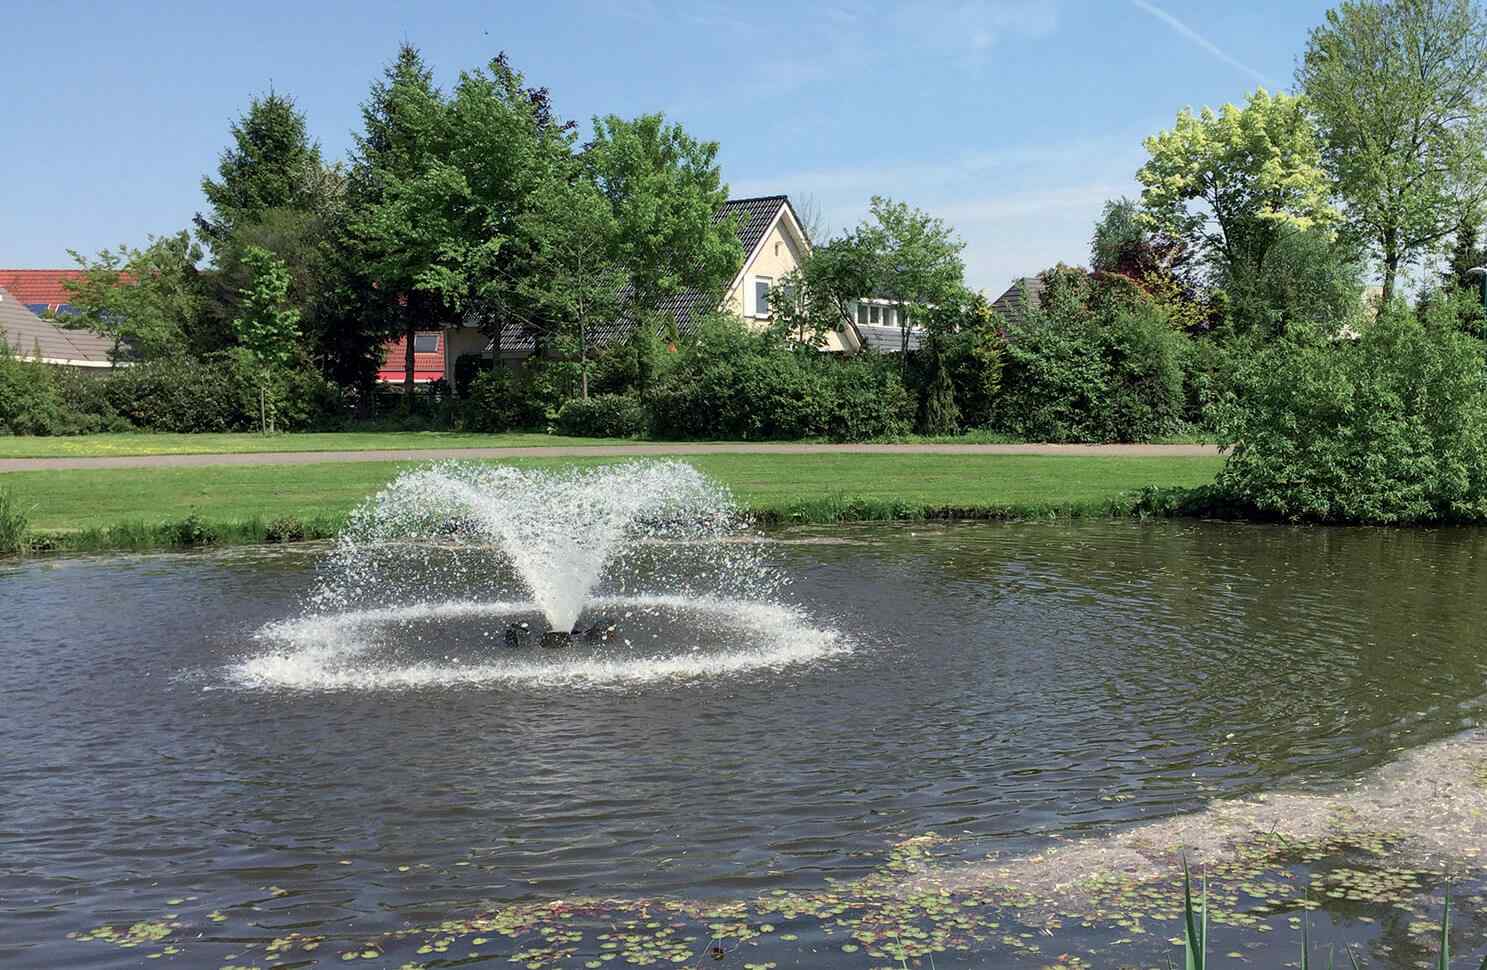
pixel 1198 39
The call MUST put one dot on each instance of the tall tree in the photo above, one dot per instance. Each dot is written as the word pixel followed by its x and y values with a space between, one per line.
pixel 271 164
pixel 665 189
pixel 575 281
pixel 396 225
pixel 1399 88
pixel 1229 183
pixel 509 156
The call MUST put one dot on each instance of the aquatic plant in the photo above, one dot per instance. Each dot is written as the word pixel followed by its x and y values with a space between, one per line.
pixel 14 524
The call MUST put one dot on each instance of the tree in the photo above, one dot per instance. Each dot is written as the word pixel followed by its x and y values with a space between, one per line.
pixel 911 258
pixel 1228 183
pixel 938 414
pixel 268 329
pixel 511 162
pixel 147 301
pixel 1467 253
pixel 574 280
pixel 1310 278
pixel 272 164
pixel 396 229
pixel 665 190
pixel 1123 243
pixel 817 297
pixel 1398 89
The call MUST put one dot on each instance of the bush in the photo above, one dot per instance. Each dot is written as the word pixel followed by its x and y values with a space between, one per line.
pixel 734 383
pixel 490 404
pixel 214 394
pixel 1095 362
pixel 603 416
pixel 33 402
pixel 284 529
pixel 193 530
pixel 1389 428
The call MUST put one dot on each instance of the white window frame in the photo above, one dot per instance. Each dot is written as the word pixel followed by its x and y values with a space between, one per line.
pixel 760 313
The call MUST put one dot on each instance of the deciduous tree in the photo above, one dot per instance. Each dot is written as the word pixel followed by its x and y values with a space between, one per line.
pixel 1228 183
pixel 1399 88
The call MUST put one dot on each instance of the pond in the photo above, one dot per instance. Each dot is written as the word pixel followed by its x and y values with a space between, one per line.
pixel 1025 692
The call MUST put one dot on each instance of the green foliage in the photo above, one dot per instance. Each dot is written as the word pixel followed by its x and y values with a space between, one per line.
pixel 1227 183
pixel 603 416
pixel 268 327
pixel 733 383
pixel 15 524
pixel 188 395
pixel 938 414
pixel 1399 88
pixel 31 400
pixel 664 189
pixel 272 164
pixel 193 530
pixel 974 359
pixel 1096 361
pixel 1389 428
pixel 150 302
pixel 285 528
pixel 1307 279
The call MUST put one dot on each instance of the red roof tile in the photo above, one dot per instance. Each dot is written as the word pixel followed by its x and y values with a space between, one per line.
pixel 32 286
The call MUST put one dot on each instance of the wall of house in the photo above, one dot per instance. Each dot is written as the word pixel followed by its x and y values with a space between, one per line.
pixel 778 258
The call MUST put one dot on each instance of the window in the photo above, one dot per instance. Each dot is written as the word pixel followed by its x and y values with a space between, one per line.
pixel 875 314
pixel 761 296
pixel 862 314
pixel 425 343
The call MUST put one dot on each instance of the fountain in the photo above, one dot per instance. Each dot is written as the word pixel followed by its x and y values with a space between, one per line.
pixel 419 589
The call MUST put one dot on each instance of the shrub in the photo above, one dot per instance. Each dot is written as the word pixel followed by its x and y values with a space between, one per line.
pixel 734 383
pixel 974 359
pixel 32 401
pixel 213 394
pixel 1389 428
pixel 284 529
pixel 193 530
pixel 1095 362
pixel 603 416
pixel 490 404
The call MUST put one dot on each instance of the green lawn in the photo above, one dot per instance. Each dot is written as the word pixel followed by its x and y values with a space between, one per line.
pixel 103 445
pixel 74 500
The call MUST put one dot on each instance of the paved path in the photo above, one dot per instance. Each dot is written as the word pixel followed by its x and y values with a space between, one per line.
pixel 598 451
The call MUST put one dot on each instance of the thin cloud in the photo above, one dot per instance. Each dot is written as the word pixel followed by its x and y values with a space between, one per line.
pixel 1198 39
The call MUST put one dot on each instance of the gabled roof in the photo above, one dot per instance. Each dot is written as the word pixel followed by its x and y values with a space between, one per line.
pixel 27 333
pixel 755 217
pixel 1023 295
pixel 887 340
pixel 39 287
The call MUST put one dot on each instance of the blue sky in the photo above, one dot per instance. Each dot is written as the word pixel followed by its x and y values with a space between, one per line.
pixel 1012 119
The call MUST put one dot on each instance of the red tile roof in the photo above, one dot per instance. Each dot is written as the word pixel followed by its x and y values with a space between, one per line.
pixel 34 286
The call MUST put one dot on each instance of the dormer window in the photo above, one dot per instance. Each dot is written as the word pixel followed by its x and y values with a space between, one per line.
pixel 761 295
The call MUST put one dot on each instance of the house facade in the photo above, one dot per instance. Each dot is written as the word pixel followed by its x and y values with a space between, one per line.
pixel 774 244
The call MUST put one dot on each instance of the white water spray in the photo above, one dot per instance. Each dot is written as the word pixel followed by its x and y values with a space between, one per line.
pixel 560 530
pixel 427 587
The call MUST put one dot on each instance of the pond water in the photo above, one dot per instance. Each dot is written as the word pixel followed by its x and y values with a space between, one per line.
pixel 1007 687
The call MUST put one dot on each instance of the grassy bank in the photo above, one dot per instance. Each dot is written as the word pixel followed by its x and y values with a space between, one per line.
pixel 145 508
pixel 138 444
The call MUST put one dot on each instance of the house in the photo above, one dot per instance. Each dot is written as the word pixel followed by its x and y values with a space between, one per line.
pixel 34 338
pixel 428 358
pixel 774 245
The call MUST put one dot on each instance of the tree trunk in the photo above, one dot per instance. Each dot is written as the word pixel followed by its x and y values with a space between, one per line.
pixel 1391 263
pixel 583 359
pixel 408 368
